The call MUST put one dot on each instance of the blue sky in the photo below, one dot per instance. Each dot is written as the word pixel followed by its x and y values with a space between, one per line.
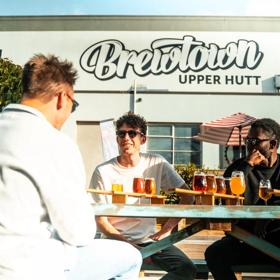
pixel 141 7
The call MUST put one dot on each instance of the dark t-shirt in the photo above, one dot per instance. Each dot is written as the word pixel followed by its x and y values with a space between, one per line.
pixel 253 175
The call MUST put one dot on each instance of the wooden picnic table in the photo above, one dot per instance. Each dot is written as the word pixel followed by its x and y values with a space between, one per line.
pixel 205 215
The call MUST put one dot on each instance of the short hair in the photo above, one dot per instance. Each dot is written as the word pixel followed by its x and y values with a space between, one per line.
pixel 42 74
pixel 269 126
pixel 132 120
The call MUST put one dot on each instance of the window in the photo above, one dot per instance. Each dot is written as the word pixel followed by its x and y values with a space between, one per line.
pixel 175 143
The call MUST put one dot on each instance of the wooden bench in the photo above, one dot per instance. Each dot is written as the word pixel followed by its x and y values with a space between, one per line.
pixel 202 269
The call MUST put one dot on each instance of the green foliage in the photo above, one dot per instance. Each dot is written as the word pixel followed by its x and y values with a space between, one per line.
pixel 186 171
pixel 171 198
pixel 10 82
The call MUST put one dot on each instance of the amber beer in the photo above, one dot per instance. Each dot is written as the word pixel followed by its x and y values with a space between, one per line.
pixel 221 185
pixel 199 182
pixel 150 186
pixel 265 193
pixel 138 185
pixel 211 183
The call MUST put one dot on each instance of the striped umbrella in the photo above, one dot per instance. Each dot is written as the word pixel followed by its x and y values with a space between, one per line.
pixel 227 131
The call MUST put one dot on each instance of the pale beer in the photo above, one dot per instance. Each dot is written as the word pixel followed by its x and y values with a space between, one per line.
pixel 265 193
pixel 237 185
pixel 117 187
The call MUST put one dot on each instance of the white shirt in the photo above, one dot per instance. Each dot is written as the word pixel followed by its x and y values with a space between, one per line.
pixel 41 188
pixel 150 166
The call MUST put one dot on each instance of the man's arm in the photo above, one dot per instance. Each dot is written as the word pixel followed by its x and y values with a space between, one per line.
pixel 63 193
pixel 172 178
pixel 103 223
pixel 110 231
pixel 171 223
pixel 238 165
pixel 246 164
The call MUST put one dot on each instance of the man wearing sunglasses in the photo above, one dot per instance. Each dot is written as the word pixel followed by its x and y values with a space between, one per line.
pixel 262 162
pixel 47 227
pixel 131 163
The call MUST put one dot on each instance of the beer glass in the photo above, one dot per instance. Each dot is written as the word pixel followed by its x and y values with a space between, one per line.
pixel 150 186
pixel 138 186
pixel 221 186
pixel 227 183
pixel 265 190
pixel 117 187
pixel 199 183
pixel 211 183
pixel 237 184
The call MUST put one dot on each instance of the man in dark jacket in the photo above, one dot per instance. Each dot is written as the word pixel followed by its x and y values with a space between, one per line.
pixel 262 162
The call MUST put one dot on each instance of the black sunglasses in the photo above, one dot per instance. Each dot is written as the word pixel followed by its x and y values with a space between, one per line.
pixel 131 133
pixel 254 141
pixel 75 104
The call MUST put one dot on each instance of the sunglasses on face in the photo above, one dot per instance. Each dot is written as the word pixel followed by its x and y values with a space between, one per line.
pixel 253 141
pixel 131 133
pixel 75 104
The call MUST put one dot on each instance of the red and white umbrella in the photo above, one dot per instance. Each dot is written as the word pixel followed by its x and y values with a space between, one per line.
pixel 227 131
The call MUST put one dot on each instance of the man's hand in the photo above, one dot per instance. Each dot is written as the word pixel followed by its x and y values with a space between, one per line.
pixel 161 234
pixel 166 229
pixel 256 158
pixel 110 231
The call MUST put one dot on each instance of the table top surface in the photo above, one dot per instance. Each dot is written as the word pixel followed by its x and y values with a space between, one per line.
pixel 188 211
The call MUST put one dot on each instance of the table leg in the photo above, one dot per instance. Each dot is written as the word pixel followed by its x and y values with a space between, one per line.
pixel 252 240
pixel 171 239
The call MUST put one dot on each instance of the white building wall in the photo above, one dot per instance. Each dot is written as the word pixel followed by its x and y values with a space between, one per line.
pixel 165 99
pixel 178 108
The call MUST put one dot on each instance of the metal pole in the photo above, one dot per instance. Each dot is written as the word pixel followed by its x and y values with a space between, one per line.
pixel 240 147
pixel 134 97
